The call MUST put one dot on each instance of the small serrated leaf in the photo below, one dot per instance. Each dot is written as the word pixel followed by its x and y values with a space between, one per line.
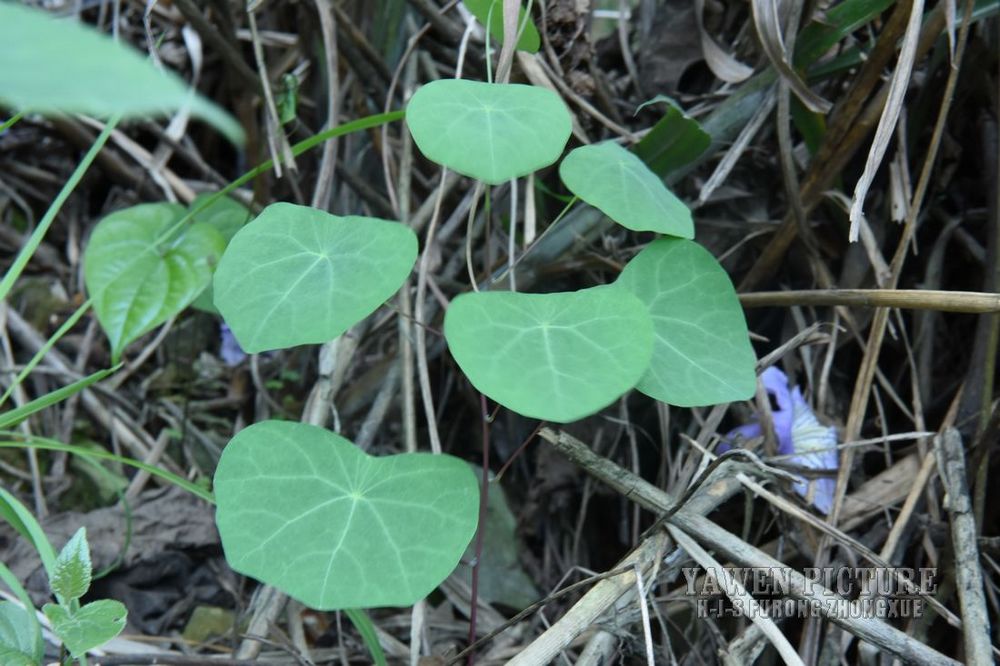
pixel 71 578
pixel 91 626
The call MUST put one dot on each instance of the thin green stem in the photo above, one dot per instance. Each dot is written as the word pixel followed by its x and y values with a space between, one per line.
pixel 297 149
pixel 500 276
pixel 486 41
pixel 18 440
pixel 302 146
pixel 487 226
pixel 50 215
pixel 562 213
pixel 14 416
pixel 11 122
pixel 44 349
pixel 369 636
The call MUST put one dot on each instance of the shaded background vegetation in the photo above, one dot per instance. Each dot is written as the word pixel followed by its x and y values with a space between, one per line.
pixel 770 195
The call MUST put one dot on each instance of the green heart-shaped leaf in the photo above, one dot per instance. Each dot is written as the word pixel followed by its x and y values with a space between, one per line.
pixel 297 275
pixel 558 357
pixel 490 131
pixel 610 178
pixel 58 65
pixel 137 284
pixel 702 353
pixel 91 626
pixel 228 217
pixel 490 12
pixel 306 511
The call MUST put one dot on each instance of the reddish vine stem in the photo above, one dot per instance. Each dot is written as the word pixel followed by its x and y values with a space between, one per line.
pixel 520 450
pixel 481 529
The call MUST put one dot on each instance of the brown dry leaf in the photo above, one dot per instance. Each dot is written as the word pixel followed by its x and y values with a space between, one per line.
pixel 723 65
pixel 765 18
pixel 890 114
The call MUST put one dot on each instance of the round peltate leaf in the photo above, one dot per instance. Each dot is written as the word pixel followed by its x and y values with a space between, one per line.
pixel 702 353
pixel 137 284
pixel 58 65
pixel 490 131
pixel 297 275
pixel 610 178
pixel 306 511
pixel 558 357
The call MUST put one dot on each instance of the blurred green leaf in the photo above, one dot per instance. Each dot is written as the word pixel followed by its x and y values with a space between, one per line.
pixel 25 523
pixel 491 12
pixel 502 579
pixel 19 440
pixel 20 641
pixel 837 22
pixel 55 65
pixel 227 216
pixel 366 628
pixel 811 125
pixel 12 657
pixel 288 99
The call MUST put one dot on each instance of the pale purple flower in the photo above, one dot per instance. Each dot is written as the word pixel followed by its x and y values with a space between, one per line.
pixel 800 435
pixel 230 351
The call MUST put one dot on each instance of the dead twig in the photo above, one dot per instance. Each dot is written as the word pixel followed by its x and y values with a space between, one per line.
pixel 838 610
pixel 593 604
pixel 906 299
pixel 968 573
